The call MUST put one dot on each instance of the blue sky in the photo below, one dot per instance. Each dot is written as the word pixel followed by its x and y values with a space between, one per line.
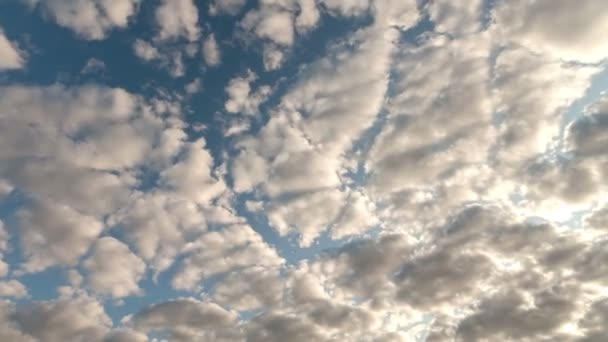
pixel 352 170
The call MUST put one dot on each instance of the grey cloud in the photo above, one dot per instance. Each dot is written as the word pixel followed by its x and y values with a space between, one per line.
pixel 595 322
pixel 125 335
pixel 598 219
pixel 504 316
pixel 588 134
pixel 231 7
pixel 278 328
pixel 184 319
pixel 80 319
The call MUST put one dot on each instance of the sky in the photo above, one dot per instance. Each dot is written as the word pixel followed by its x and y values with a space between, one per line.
pixel 303 170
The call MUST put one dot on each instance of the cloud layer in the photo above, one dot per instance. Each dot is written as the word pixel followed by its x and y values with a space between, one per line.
pixel 381 170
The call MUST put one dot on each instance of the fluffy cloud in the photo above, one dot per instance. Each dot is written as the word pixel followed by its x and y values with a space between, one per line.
pixel 357 216
pixel 518 72
pixel 273 57
pixel 307 215
pixel 90 19
pixel 12 288
pixel 308 17
pixel 564 186
pixel 145 50
pixel 240 97
pixel 10 56
pixel 112 268
pixel 456 17
pixel 184 319
pixel 78 149
pixel 55 234
pixel 297 158
pixel 217 252
pixel 65 319
pixel 177 18
pixel 9 329
pixel 271 22
pixel 172 61
pixel 482 253
pixel 396 185
pixel 251 288
pixel 566 30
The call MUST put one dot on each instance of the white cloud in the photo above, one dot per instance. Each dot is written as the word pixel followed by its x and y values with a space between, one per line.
pixel 192 176
pixel 12 288
pixel 456 17
pixel 5 188
pixel 55 234
pixel 241 98
pixel 216 252
pixel 211 51
pixel 170 60
pixel 357 216
pixel 272 23
pixel 550 87
pixel 298 158
pixel 432 126
pixel 453 146
pixel 72 153
pixel 158 225
pixel 308 17
pixel 10 56
pixel 75 145
pixel 273 57
pixel 90 19
pixel 193 87
pixel 112 269
pixel 177 18
pixel 145 50
pixel 568 30
pixel 307 214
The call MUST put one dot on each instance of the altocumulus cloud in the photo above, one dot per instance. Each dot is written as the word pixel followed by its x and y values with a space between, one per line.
pixel 299 170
